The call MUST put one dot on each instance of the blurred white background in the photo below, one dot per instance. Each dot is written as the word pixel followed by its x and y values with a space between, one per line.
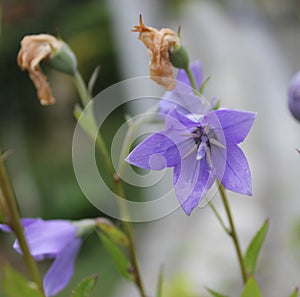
pixel 251 52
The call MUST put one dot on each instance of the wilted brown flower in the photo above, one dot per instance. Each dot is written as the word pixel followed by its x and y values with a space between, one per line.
pixel 34 49
pixel 160 44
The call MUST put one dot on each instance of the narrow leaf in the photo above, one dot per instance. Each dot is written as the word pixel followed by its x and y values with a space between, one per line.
pixel 16 285
pixel 118 256
pixel 251 289
pixel 114 233
pixel 254 248
pixel 93 79
pixel 214 293
pixel 203 85
pixel 295 293
pixel 85 287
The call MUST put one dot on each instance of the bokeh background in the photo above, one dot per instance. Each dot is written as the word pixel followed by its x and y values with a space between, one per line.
pixel 249 48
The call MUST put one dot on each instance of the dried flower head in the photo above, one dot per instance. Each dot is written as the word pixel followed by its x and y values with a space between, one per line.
pixel 34 49
pixel 160 44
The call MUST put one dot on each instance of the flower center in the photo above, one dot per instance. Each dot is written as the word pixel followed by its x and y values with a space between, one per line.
pixel 202 142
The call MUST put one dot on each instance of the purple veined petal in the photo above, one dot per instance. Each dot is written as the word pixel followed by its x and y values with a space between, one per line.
pixel 192 180
pixel 235 124
pixel 237 176
pixel 182 96
pixel 186 103
pixel 25 222
pixel 175 120
pixel 156 152
pixel 47 238
pixel 61 271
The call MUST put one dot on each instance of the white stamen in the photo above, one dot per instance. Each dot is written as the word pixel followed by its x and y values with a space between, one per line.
pixel 217 143
pixel 194 148
pixel 208 157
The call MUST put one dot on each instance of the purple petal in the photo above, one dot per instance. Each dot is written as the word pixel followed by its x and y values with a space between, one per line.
pixel 237 176
pixel 25 222
pixel 156 152
pixel 192 180
pixel 182 96
pixel 47 238
pixel 5 228
pixel 235 124
pixel 175 120
pixel 62 268
pixel 294 96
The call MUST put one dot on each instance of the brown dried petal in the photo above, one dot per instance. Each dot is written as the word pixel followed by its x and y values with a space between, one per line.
pixel 159 43
pixel 34 49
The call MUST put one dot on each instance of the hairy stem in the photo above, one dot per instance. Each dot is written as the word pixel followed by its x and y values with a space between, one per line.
pixel 233 233
pixel 13 220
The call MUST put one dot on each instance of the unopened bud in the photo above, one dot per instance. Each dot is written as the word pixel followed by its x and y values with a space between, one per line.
pixel 63 60
pixel 179 57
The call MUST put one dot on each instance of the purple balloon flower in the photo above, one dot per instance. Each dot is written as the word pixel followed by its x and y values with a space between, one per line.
pixel 294 96
pixel 56 240
pixel 201 149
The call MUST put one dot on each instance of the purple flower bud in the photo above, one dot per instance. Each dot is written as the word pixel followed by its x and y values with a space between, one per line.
pixel 294 96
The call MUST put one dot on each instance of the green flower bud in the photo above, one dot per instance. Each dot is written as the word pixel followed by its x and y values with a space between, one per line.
pixel 63 60
pixel 179 57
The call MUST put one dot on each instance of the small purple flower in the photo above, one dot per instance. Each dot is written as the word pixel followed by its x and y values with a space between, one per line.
pixel 58 240
pixel 201 149
pixel 294 96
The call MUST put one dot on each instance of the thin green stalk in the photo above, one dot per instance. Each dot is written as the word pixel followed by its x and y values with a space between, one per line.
pixel 219 218
pixel 13 220
pixel 81 88
pixel 233 233
pixel 85 99
pixel 128 228
pixel 116 182
pixel 192 79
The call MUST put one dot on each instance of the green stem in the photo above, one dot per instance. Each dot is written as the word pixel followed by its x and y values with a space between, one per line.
pixel 100 143
pixel 128 228
pixel 13 220
pixel 192 79
pixel 219 218
pixel 116 182
pixel 81 88
pixel 233 233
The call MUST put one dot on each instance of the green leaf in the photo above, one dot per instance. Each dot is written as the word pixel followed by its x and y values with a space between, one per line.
pixel 93 79
pixel 203 85
pixel 251 289
pixel 118 255
pixel 254 248
pixel 214 293
pixel 160 283
pixel 114 233
pixel 295 293
pixel 16 285
pixel 85 287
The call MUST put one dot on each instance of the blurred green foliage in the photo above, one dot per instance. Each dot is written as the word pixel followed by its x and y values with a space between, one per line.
pixel 43 135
